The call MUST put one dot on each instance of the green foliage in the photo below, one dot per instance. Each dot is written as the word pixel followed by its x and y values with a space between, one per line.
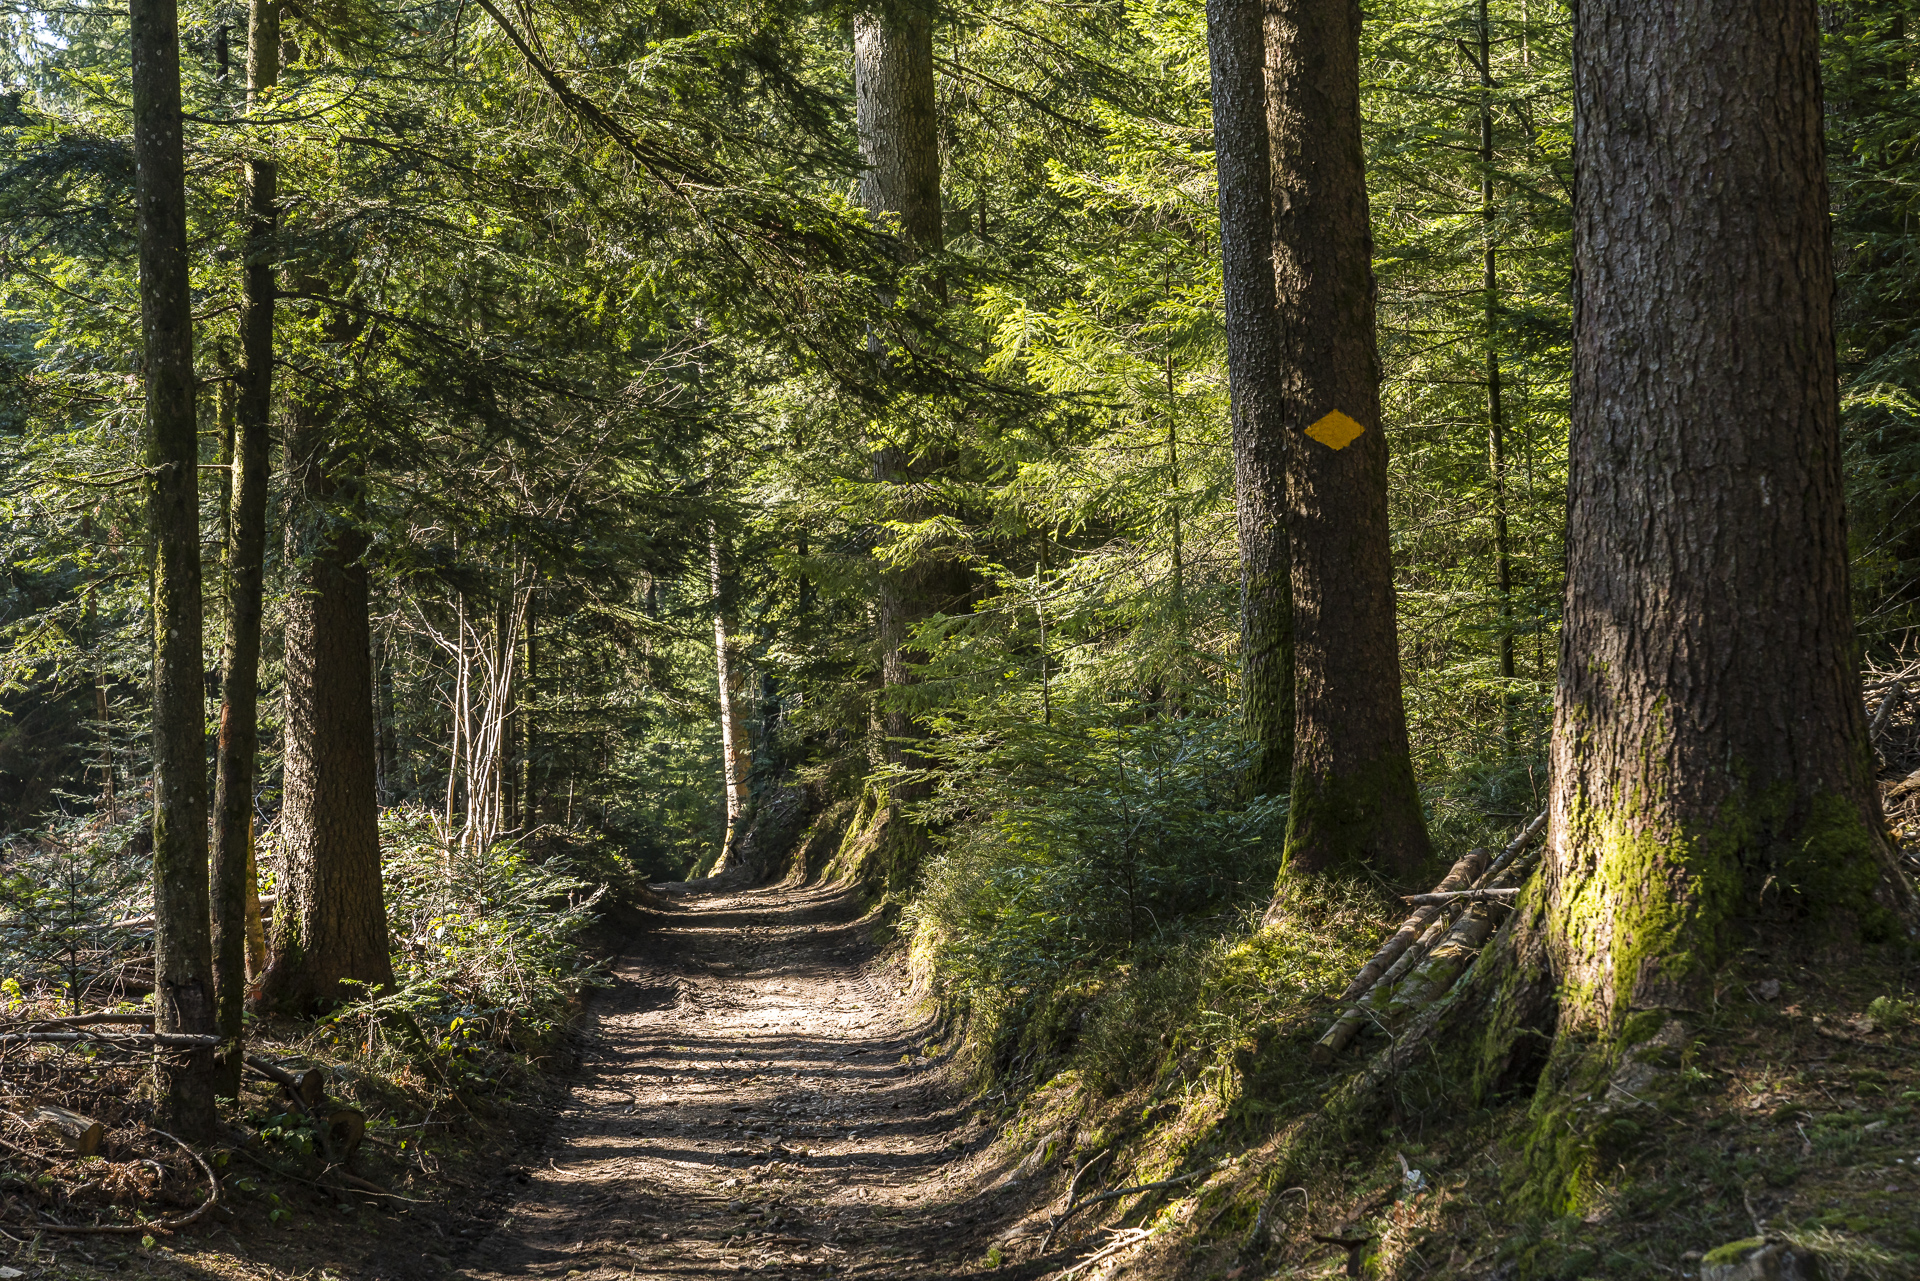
pixel 63 891
pixel 1201 1000
pixel 1092 844
pixel 484 940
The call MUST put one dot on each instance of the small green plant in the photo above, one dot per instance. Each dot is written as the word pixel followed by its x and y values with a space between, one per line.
pixel 1891 1011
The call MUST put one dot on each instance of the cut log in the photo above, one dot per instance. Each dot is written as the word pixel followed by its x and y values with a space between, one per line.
pixel 1459 877
pixel 1348 1025
pixel 311 1086
pixel 1388 998
pixel 1513 850
pixel 82 1133
pixel 1443 965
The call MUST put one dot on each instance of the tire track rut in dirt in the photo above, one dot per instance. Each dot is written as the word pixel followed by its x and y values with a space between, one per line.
pixel 751 1098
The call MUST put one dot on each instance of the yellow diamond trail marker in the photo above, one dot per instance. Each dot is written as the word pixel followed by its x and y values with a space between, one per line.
pixel 1336 430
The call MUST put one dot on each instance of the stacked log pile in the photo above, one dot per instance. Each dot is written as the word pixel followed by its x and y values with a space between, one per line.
pixel 1420 962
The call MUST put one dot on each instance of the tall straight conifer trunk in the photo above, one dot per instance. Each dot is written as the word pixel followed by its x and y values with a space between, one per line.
pixel 183 956
pixel 1713 782
pixel 330 922
pixel 898 129
pixel 246 568
pixel 1236 42
pixel 1353 803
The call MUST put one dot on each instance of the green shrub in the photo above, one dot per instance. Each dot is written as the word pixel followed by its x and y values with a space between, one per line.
pixel 485 942
pixel 1090 848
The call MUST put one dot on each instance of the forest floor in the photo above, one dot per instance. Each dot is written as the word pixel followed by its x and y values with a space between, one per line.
pixel 756 1091
pixel 753 1092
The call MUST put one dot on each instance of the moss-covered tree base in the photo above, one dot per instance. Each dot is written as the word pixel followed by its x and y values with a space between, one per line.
pixel 1366 820
pixel 882 848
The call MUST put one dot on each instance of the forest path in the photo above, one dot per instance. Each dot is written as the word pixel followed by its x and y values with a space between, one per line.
pixel 750 1027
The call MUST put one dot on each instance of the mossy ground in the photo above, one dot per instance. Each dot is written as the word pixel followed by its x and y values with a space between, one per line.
pixel 1793 1112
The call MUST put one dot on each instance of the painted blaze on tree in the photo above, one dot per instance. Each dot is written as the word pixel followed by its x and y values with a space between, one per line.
pixel 1713 779
pixel 1354 803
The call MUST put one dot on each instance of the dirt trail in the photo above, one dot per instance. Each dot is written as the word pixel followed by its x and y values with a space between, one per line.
pixel 752 1098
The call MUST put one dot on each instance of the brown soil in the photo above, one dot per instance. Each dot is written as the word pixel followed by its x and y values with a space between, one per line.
pixel 754 1092
pixel 754 1096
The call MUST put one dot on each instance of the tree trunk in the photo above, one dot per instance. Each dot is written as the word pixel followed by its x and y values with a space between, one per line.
pixel 894 105
pixel 735 754
pixel 1237 42
pixel 246 569
pixel 897 123
pixel 330 921
pixel 183 955
pixel 1712 776
pixel 1496 417
pixel 1354 803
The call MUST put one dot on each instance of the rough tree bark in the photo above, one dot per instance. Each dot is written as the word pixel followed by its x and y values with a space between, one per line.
pixel 1713 779
pixel 897 123
pixel 1236 41
pixel 330 922
pixel 1354 803
pixel 183 954
pixel 246 561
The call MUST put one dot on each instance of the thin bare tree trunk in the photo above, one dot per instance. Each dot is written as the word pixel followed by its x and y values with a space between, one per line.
pixel 736 756
pixel 1496 417
pixel 233 878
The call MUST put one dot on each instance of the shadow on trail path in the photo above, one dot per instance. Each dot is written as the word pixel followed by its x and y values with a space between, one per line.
pixel 752 1098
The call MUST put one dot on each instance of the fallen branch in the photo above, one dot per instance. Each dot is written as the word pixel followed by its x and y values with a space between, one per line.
pixel 1098 1197
pixel 1894 694
pixel 1462 896
pixel 126 1040
pixel 137 922
pixel 1128 1237
pixel 160 1225
pixel 80 1020
pixel 1073 1185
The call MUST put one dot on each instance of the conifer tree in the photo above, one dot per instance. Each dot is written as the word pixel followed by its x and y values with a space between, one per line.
pixel 1237 45
pixel 1353 801
pixel 183 962
pixel 1713 778
pixel 239 724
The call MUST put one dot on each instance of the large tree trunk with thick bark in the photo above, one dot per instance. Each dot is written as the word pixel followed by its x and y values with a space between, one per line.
pixel 1236 41
pixel 183 955
pixel 1353 803
pixel 1713 780
pixel 246 561
pixel 330 923
pixel 897 123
